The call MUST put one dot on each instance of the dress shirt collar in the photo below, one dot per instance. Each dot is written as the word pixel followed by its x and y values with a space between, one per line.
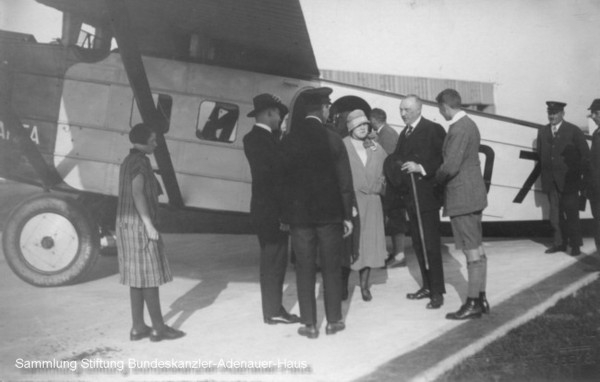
pixel 458 116
pixel 313 116
pixel 264 127
pixel 415 123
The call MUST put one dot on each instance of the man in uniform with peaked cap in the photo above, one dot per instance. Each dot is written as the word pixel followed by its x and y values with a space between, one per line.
pixel 564 155
pixel 262 148
pixel 320 196
pixel 593 175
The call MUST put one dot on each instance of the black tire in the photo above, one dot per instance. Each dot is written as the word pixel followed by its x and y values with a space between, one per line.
pixel 56 227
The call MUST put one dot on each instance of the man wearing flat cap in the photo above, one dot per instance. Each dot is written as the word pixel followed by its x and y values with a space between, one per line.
pixel 564 155
pixel 263 151
pixel 320 196
pixel 593 176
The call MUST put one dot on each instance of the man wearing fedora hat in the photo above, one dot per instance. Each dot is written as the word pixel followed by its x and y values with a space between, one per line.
pixel 593 176
pixel 319 203
pixel 266 166
pixel 563 154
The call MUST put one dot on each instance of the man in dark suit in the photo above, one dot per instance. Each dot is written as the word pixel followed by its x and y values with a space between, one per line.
pixel 319 209
pixel 266 165
pixel 465 197
pixel 564 155
pixel 419 151
pixel 396 225
pixel 593 176
pixel 385 135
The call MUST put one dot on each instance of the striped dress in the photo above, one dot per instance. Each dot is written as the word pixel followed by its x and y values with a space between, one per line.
pixel 142 262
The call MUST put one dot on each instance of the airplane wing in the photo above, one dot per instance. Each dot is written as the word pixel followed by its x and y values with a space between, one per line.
pixel 268 36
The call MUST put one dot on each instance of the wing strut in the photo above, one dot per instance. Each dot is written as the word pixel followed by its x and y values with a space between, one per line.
pixel 138 80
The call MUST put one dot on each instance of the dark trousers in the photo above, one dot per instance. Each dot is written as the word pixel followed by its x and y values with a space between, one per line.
pixel 564 217
pixel 433 279
pixel 273 263
pixel 325 239
pixel 595 205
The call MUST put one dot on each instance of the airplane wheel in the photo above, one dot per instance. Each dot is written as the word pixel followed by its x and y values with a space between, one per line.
pixel 50 240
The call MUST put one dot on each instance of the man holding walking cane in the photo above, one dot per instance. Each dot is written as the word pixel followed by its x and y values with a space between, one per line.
pixel 412 167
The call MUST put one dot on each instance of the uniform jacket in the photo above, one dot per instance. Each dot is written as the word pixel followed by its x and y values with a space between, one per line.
pixel 563 158
pixel 593 176
pixel 461 172
pixel 318 186
pixel 387 138
pixel 266 166
pixel 422 146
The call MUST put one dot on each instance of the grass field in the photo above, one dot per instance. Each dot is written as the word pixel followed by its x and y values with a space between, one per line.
pixel 563 344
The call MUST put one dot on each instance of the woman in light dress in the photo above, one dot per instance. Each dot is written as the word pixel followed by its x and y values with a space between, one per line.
pixel 366 161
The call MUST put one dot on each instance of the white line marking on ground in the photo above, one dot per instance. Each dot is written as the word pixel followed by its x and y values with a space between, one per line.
pixel 447 364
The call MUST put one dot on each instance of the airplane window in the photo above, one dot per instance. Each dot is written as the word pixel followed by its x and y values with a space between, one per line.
pixel 217 121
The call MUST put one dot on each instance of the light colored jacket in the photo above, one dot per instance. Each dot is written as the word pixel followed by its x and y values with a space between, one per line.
pixel 460 172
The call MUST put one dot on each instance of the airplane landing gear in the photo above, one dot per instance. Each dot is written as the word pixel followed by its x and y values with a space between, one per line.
pixel 50 240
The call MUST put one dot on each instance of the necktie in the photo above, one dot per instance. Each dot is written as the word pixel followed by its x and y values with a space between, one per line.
pixel 409 130
pixel 554 130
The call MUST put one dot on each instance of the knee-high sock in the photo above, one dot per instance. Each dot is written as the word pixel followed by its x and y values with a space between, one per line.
pixel 484 271
pixel 398 244
pixel 475 271
pixel 152 299
pixel 137 307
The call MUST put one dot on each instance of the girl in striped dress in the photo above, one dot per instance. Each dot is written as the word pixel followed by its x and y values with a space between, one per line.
pixel 142 262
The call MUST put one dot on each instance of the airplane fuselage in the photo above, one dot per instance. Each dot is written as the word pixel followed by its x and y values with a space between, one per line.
pixel 79 113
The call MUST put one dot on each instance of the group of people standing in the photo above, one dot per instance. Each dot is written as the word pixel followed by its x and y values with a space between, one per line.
pixel 570 172
pixel 327 192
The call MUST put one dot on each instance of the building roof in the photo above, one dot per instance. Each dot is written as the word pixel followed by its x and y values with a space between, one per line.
pixel 472 92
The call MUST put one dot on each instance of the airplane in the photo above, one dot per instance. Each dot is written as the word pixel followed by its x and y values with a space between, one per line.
pixel 190 68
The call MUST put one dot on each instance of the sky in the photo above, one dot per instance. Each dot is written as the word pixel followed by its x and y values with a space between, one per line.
pixel 531 50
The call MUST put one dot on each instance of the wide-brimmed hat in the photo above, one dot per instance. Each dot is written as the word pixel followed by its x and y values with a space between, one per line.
pixel 266 101
pixel 595 105
pixel 356 118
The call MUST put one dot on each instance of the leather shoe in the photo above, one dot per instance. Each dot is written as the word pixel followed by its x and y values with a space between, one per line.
pixel 420 294
pixel 485 305
pixel 135 335
pixel 392 262
pixel 437 300
pixel 575 251
pixel 283 318
pixel 334 327
pixel 366 294
pixel 309 331
pixel 556 248
pixel 167 333
pixel 470 309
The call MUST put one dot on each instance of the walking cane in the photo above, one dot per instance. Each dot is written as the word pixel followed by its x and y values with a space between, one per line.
pixel 421 234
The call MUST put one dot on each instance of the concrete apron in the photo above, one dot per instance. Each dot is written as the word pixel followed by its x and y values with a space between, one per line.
pixel 215 298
